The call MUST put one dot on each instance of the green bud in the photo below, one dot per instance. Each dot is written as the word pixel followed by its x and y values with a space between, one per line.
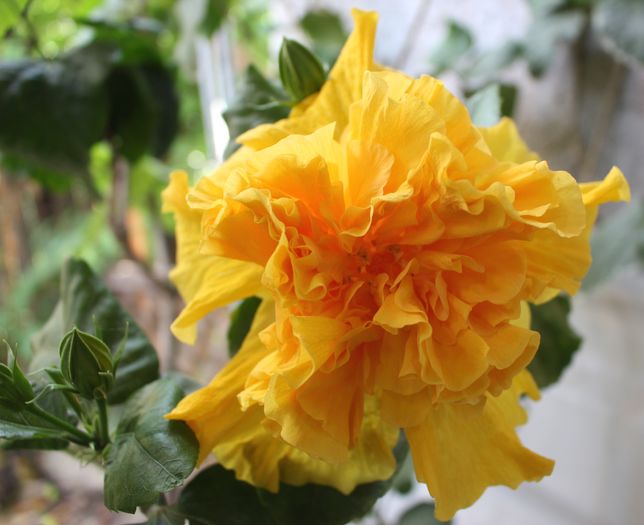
pixel 300 71
pixel 86 363
pixel 14 385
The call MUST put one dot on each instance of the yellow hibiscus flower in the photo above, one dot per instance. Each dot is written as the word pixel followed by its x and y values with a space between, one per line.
pixel 394 246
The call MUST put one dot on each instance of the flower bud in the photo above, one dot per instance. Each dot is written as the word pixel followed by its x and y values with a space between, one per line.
pixel 300 71
pixel 86 363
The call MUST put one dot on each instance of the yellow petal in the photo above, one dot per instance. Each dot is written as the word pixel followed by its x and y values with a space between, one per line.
pixel 506 144
pixel 204 281
pixel 213 412
pixel 460 451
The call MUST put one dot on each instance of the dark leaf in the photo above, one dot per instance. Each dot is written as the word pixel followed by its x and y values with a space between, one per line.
pixel 325 505
pixel 240 321
pixel 456 43
pixel 144 109
pixel 559 342
pixel 52 112
pixel 150 455
pixel 619 24
pixel 35 444
pixel 216 497
pixel 85 303
pixel 326 31
pixel 259 102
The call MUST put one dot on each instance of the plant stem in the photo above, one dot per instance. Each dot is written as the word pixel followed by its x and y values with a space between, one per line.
pixel 103 424
pixel 83 437
pixel 71 398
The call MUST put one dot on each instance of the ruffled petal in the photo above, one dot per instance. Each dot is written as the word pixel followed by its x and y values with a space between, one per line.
pixel 460 451
pixel 204 281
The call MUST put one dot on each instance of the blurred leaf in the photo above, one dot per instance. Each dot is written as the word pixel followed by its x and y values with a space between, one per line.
pixel 240 321
pixel 457 41
pixel 135 40
pixel 144 109
pixel 9 14
pixel 300 70
pixel 616 242
pixel 488 105
pixel 214 15
pixel 51 112
pixel 620 24
pixel 84 303
pixel 486 67
pixel 216 497
pixel 324 505
pixel 546 33
pixel 421 514
pixel 559 342
pixel 326 31
pixel 258 102
pixel 150 454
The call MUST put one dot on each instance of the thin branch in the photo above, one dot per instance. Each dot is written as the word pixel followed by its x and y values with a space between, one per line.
pixel 118 205
pixel 602 122
pixel 412 34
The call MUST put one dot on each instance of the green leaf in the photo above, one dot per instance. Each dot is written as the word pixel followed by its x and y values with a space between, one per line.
pixel 17 431
pixel 616 243
pixel 559 342
pixel 326 31
pixel 421 514
pixel 240 321
pixel 619 24
pixel 150 454
pixel 216 497
pixel 489 104
pixel 84 303
pixel 325 505
pixel 457 41
pixel 258 102
pixel 300 70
